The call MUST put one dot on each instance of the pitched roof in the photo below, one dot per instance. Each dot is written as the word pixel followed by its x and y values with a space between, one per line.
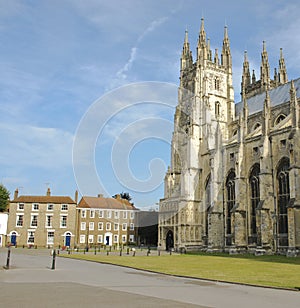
pixel 105 203
pixel 44 199
pixel 278 96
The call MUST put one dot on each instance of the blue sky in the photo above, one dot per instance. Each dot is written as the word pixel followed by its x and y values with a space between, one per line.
pixel 57 58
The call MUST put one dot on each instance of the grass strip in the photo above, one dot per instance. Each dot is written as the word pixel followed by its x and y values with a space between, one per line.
pixel 270 271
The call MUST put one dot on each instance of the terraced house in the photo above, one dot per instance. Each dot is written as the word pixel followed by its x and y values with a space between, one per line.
pixel 105 221
pixel 41 221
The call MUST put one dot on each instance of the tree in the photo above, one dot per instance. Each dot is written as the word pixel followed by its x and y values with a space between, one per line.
pixel 124 195
pixel 4 198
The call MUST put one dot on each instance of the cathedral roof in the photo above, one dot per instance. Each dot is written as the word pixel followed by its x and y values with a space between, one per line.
pixel 278 96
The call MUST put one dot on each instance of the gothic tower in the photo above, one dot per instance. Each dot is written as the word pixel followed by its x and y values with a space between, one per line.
pixel 201 124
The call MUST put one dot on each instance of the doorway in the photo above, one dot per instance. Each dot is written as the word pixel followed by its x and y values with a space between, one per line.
pixel 169 240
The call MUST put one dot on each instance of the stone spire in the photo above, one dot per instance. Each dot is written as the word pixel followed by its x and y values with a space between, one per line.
pixel 282 75
pixel 216 59
pixel 186 56
pixel 226 53
pixel 245 112
pixel 294 105
pixel 246 78
pixel 202 53
pixel 253 77
pixel 264 68
pixel 209 50
pixel 267 114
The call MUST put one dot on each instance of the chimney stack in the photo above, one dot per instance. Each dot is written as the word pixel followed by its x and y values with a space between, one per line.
pixel 100 195
pixel 16 194
pixel 48 192
pixel 76 196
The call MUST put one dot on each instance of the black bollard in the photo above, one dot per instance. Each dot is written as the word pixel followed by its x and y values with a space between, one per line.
pixel 107 252
pixel 121 252
pixel 158 252
pixel 128 250
pixel 8 258
pixel 53 259
pixel 95 250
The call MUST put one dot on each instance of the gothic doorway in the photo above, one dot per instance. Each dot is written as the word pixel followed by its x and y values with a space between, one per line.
pixel 169 240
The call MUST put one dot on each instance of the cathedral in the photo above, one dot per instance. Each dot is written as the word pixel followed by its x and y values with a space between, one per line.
pixel 233 184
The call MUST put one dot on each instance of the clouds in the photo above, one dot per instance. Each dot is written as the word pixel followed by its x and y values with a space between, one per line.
pixel 32 146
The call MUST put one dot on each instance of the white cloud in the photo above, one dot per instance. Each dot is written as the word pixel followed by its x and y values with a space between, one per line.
pixel 121 75
pixel 49 148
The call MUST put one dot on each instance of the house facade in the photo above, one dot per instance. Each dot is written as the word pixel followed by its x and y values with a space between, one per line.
pixel 41 221
pixel 234 180
pixel 105 221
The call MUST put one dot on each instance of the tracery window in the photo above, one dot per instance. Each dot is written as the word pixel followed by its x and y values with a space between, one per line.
pixel 254 201
pixel 207 202
pixel 283 200
pixel 230 202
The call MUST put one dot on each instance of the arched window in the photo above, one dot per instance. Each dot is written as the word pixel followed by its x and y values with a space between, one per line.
pixel 254 201
pixel 230 202
pixel 217 109
pixel 207 202
pixel 283 198
pixel 280 118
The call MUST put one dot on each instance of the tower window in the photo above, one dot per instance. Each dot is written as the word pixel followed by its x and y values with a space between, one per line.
pixel 217 84
pixel 217 109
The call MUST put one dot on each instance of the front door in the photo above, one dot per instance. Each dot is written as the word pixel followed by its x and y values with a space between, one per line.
pixel 13 239
pixel 68 240
pixel 108 239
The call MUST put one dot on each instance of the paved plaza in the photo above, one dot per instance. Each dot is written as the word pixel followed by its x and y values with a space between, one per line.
pixel 30 282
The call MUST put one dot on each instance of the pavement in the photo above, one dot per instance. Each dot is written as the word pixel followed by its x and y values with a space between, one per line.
pixel 30 282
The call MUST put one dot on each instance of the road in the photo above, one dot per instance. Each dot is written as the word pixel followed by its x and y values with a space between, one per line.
pixel 29 282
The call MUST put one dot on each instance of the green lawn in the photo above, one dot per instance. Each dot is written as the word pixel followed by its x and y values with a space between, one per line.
pixel 274 271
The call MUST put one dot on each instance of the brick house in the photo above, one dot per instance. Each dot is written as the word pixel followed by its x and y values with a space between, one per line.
pixel 105 221
pixel 42 221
